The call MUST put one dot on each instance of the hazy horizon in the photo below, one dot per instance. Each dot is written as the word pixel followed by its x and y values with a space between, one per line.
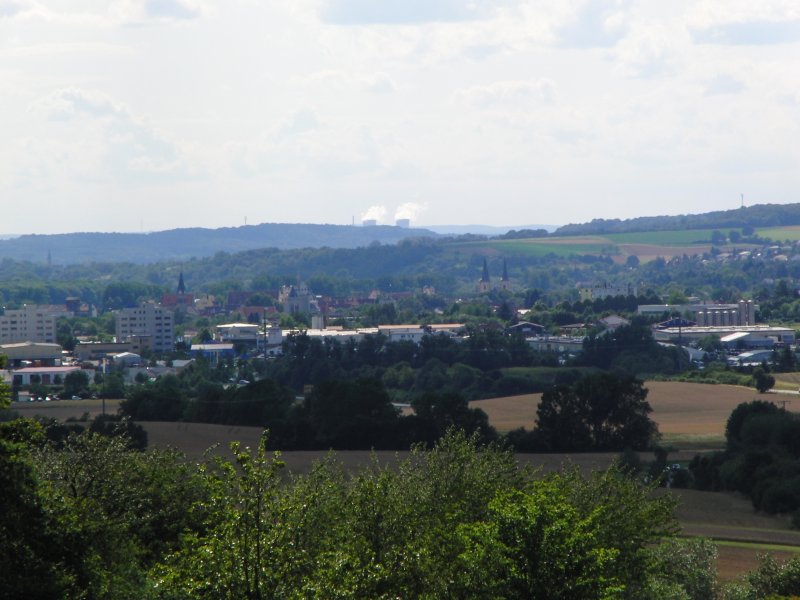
pixel 146 115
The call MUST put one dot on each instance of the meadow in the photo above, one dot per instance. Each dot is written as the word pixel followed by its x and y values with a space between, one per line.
pixel 645 246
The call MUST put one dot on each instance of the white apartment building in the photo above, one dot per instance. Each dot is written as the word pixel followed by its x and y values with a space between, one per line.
pixel 31 323
pixel 149 319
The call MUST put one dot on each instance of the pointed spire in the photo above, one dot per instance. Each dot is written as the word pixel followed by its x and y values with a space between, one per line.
pixel 505 271
pixel 181 286
pixel 485 276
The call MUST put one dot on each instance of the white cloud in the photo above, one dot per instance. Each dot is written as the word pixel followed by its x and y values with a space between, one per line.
pixel 130 151
pixel 171 9
pixel 647 52
pixel 509 94
pixel 72 102
pixel 596 24
pixel 380 83
pixel 11 8
pixel 741 22
pixel 139 12
pixel 723 84
pixel 301 121
pixel 361 12
pixel 753 33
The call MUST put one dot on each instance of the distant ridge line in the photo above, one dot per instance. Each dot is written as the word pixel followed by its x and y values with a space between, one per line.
pixel 758 215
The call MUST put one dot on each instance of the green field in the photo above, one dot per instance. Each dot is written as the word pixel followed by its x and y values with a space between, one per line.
pixel 779 234
pixel 541 246
pixel 684 237
pixel 645 245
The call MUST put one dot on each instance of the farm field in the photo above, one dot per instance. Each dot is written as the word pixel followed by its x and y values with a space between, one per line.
pixel 780 234
pixel 64 409
pixel 691 416
pixel 645 246
pixel 687 414
pixel 787 381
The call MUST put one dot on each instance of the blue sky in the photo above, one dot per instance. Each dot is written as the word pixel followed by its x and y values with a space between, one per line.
pixel 136 115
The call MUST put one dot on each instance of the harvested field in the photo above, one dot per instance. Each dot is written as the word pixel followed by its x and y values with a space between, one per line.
pixel 648 252
pixel 741 534
pixel 64 409
pixel 733 561
pixel 193 439
pixel 680 409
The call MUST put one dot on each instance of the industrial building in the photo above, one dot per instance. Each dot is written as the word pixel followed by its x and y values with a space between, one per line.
pixel 708 315
pixel 749 336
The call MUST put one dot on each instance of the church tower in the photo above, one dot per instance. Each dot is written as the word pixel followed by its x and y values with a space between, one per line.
pixel 181 286
pixel 484 285
pixel 505 282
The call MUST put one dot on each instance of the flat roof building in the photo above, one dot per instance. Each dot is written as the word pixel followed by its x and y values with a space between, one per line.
pixel 149 319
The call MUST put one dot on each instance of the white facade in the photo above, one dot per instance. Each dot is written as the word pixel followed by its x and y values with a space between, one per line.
pixel 605 290
pixel 148 319
pixel 31 323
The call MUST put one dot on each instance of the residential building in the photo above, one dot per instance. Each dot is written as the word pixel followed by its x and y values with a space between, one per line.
pixel 149 319
pixel 31 323
pixel 606 290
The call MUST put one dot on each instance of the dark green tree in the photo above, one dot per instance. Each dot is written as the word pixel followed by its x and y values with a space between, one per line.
pixel 599 412
pixel 762 381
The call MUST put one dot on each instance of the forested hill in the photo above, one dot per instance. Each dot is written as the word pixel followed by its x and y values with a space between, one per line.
pixel 183 244
pixel 759 215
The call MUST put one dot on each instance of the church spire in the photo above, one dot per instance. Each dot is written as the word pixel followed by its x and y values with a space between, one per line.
pixel 505 282
pixel 484 284
pixel 181 286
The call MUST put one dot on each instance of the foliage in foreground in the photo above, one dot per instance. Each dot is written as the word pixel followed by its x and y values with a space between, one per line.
pixel 457 521
pixel 92 518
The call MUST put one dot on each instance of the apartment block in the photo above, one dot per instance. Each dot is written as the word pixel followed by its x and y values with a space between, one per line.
pixel 148 320
pixel 31 323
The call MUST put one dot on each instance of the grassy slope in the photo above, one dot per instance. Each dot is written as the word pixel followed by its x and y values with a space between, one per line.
pixel 642 244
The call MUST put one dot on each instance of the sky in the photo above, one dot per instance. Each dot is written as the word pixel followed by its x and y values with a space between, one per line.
pixel 144 115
